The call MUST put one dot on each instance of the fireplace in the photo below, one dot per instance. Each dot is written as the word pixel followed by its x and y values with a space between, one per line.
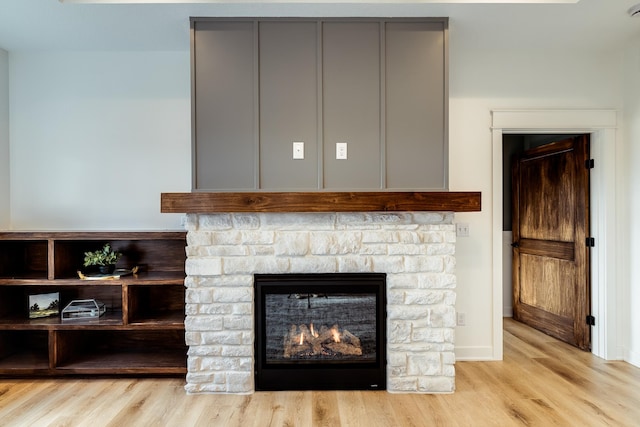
pixel 414 250
pixel 320 331
pixel 409 236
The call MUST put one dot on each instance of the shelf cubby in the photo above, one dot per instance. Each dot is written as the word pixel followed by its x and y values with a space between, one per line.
pixel 24 351
pixel 24 259
pixel 156 304
pixel 125 351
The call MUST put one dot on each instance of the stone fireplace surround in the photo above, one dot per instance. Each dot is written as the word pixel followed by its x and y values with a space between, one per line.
pixel 415 249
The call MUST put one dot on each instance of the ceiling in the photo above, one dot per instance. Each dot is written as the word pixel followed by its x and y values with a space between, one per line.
pixel 52 25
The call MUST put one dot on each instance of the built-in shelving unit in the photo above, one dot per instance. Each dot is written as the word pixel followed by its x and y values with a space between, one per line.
pixel 142 331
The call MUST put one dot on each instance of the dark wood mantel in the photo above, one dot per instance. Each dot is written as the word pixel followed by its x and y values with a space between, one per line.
pixel 321 201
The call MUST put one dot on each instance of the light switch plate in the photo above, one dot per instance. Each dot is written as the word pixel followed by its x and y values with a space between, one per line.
pixel 462 229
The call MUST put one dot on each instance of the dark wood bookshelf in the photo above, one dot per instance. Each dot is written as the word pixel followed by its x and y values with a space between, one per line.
pixel 142 331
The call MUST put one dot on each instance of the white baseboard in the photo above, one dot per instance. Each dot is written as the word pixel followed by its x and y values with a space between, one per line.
pixel 633 358
pixel 474 354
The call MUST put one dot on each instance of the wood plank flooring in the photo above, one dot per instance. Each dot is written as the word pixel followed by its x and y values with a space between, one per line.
pixel 541 382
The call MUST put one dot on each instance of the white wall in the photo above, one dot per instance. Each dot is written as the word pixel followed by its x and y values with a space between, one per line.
pixel 125 116
pixel 630 181
pixel 96 137
pixel 4 139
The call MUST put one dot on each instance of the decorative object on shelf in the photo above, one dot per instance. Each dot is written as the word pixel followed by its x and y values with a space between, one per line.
pixel 104 259
pixel 83 309
pixel 44 305
pixel 116 274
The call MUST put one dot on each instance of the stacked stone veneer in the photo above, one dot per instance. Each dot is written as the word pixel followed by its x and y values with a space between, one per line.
pixel 416 250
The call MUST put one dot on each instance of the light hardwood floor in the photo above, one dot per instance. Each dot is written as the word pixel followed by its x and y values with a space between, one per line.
pixel 541 382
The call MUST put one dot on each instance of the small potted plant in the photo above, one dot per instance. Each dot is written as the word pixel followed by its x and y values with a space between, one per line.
pixel 104 259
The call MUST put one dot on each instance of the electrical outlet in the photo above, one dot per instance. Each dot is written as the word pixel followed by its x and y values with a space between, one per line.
pixel 341 150
pixel 462 229
pixel 298 150
pixel 462 319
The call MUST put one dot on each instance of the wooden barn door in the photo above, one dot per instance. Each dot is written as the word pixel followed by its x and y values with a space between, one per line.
pixel 551 266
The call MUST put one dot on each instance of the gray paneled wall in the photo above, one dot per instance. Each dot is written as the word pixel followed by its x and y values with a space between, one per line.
pixel 415 106
pixel 380 85
pixel 351 101
pixel 224 119
pixel 288 104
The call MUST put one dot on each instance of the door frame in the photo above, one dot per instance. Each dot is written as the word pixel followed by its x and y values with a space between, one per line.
pixel 602 126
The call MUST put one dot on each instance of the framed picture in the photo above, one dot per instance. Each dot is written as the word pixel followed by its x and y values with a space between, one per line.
pixel 44 305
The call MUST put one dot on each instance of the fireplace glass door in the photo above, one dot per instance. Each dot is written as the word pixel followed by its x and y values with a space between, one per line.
pixel 320 331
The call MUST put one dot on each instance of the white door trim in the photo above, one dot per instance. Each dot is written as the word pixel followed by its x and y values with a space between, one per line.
pixel 602 125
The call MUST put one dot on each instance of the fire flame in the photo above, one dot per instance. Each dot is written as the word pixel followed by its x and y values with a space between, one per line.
pixel 313 333
pixel 336 334
pixel 306 341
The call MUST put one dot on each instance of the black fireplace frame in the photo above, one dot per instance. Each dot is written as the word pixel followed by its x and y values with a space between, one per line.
pixel 272 376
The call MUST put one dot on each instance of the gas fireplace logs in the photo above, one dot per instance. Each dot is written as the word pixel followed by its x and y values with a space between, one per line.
pixel 303 341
